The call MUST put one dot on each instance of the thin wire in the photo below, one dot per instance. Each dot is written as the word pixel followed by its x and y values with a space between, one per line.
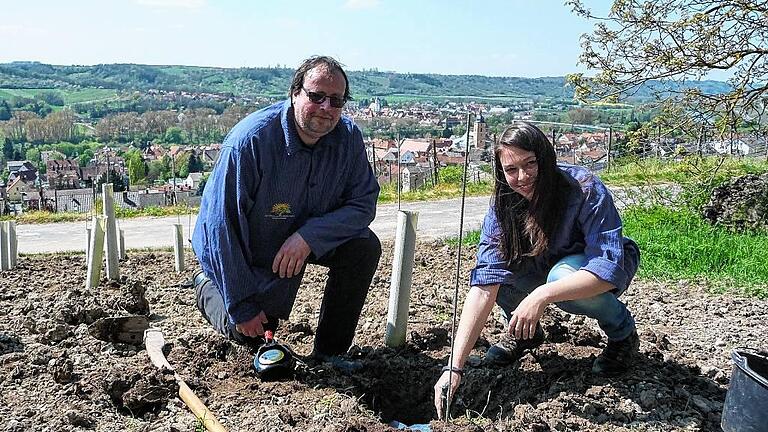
pixel 399 170
pixel 87 212
pixel 458 272
pixel 189 222
pixel 176 204
pixel 93 201
pixel 174 195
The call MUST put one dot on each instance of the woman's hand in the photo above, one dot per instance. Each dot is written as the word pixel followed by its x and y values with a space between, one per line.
pixel 526 316
pixel 474 314
pixel 441 393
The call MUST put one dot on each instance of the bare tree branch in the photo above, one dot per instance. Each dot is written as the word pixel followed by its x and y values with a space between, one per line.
pixel 667 46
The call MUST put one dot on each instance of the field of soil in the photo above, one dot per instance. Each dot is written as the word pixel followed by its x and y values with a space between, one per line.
pixel 55 376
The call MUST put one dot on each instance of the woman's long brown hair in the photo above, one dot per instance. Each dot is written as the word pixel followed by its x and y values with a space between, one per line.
pixel 528 227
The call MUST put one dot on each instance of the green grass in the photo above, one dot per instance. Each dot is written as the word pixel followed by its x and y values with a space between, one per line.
pixel 155 211
pixel 39 217
pixel 679 245
pixel 87 95
pixel 70 96
pixel 441 191
pixel 28 93
pixel 634 172
pixel 469 238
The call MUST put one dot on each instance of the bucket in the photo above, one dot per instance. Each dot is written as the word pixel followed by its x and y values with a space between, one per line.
pixel 746 404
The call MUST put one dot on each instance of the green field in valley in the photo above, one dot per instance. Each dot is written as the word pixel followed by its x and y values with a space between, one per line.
pixel 70 96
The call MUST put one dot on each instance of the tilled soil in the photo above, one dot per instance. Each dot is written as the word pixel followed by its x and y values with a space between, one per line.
pixel 54 375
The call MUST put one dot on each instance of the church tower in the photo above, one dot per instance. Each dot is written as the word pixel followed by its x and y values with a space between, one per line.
pixel 480 131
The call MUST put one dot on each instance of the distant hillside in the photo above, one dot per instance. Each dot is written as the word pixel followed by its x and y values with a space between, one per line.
pixel 275 81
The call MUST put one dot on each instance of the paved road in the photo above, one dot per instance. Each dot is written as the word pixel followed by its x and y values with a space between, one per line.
pixel 437 219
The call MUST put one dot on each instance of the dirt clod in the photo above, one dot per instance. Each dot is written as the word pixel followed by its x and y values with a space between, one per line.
pixel 740 203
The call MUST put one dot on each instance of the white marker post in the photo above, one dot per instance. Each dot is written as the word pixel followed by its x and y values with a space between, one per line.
pixel 108 199
pixel 122 245
pixel 13 252
pixel 402 273
pixel 178 247
pixel 87 243
pixel 96 252
pixel 5 262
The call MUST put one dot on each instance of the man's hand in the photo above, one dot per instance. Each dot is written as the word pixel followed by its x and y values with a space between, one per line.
pixel 254 326
pixel 522 325
pixel 290 258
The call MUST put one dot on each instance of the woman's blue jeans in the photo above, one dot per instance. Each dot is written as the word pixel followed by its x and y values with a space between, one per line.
pixel 611 314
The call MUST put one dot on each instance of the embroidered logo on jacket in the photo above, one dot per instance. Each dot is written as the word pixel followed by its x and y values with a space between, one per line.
pixel 280 211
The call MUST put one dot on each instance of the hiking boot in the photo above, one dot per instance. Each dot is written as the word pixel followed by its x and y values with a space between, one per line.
pixel 508 350
pixel 617 357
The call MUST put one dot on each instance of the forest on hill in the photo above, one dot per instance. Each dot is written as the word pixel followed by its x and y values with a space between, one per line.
pixel 273 81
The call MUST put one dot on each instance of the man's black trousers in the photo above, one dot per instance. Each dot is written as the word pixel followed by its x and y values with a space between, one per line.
pixel 350 270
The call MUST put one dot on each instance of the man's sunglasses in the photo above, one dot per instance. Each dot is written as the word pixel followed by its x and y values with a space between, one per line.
pixel 320 97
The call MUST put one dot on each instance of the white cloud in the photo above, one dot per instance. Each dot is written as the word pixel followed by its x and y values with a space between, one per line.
pixel 361 4
pixel 184 4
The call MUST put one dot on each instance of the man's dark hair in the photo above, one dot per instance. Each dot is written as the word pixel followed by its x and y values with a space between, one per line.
pixel 527 227
pixel 331 63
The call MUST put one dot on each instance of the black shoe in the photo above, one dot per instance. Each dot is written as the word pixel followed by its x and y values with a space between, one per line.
pixel 198 278
pixel 340 363
pixel 508 350
pixel 617 357
pixel 193 281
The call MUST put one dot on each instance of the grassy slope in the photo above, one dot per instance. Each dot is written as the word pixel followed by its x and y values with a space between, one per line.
pixel 70 96
pixel 679 245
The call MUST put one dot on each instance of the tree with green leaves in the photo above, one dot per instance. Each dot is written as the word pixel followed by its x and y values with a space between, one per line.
pixel 8 149
pixel 33 155
pixel 452 174
pixel 174 135
pixel 670 45
pixel 159 169
pixel 581 115
pixel 117 180
pixel 5 110
pixel 182 165
pixel 51 98
pixel 195 164
pixel 201 186
pixel 137 169
pixel 85 157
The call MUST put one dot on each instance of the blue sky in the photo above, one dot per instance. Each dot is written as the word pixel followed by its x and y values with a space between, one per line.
pixel 491 37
